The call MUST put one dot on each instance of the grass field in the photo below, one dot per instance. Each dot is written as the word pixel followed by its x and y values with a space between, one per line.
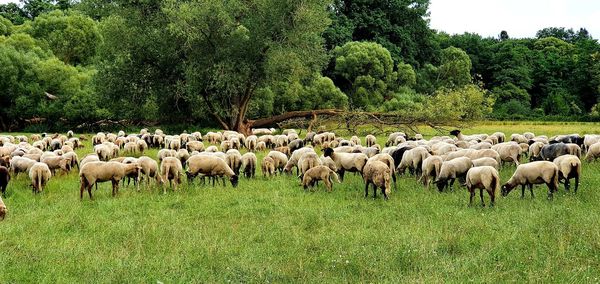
pixel 273 231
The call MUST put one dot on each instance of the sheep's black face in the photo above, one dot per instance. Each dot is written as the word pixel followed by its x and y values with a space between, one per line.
pixel 190 176
pixel 505 190
pixel 455 132
pixel 327 152
pixel 234 180
pixel 440 184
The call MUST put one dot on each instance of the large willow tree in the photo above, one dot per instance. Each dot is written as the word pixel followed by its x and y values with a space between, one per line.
pixel 233 48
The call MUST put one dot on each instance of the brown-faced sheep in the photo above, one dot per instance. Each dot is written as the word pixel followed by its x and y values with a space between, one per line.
pixel 378 174
pixel 249 163
pixel 533 173
pixel 210 166
pixel 351 162
pixel 569 166
pixel 313 175
pixel 268 166
pixel 39 174
pixel 4 179
pixel 451 170
pixel 483 177
pixel 172 170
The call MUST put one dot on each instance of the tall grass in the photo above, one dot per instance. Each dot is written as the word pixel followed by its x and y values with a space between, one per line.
pixel 273 231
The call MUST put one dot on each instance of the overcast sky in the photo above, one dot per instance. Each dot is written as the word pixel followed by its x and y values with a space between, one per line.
pixel 520 18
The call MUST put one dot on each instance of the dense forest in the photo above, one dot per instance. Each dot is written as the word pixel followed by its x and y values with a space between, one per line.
pixel 225 63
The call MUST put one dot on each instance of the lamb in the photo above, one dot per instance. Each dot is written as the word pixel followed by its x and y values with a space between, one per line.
pixel 430 168
pixel 370 140
pixel 279 158
pixel 149 168
pixel 552 151
pixel 283 149
pixel 293 160
pixel 268 166
pixel 39 174
pixel 451 170
pixel 317 173
pixel 483 177
pixel 249 162
pixel 234 160
pixel 210 166
pixel 58 162
pixel 172 170
pixel 490 162
pixel 4 179
pixel 388 160
pixel 533 173
pixel 569 166
pixel 20 165
pixel 99 171
pixel 378 174
pixel 509 152
pixel 3 209
pixel 351 162
pixel 261 146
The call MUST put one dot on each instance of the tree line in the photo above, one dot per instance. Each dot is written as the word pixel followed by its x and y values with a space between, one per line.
pixel 228 63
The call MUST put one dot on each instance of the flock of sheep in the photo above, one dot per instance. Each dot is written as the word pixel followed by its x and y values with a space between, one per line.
pixel 473 159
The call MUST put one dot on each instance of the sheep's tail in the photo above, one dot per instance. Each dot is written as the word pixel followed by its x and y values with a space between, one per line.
pixel 335 176
pixel 388 184
pixel 495 182
pixel 39 182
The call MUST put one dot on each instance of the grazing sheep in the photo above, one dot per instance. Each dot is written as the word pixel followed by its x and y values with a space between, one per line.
pixel 569 166
pixel 103 151
pixel 249 162
pixel 194 146
pixel 370 140
pixel 149 169
pixel 163 153
pixel 261 146
pixel 183 155
pixel 4 179
pixel 552 151
pixel 295 145
pixel 317 173
pixel 430 168
pixel 354 139
pixel 21 165
pixel 234 160
pixel 309 137
pixel 283 149
pixel 251 143
pixel 351 162
pixel 58 162
pixel 483 177
pixel 392 138
pixel 389 161
pixel 308 161
pixel 398 153
pixel 451 170
pixel 378 174
pixel 593 152
pixel 268 166
pixel 212 149
pixel 293 160
pixel 490 162
pixel 87 159
pixel 535 149
pixel 142 146
pixel 130 147
pixel 533 173
pixel 327 161
pixel 413 159
pixel 589 140
pixel 39 174
pixel 210 166
pixel 508 152
pixel 94 172
pixel 280 160
pixel 574 149
pixel 515 137
pixel 172 170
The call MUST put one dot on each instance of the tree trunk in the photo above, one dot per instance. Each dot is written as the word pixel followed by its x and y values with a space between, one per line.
pixel 247 125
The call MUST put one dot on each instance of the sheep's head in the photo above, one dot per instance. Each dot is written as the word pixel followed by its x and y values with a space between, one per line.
pixel 506 188
pixel 327 152
pixel 440 183
pixel 234 180
pixel 3 212
pixel 455 132
pixel 190 176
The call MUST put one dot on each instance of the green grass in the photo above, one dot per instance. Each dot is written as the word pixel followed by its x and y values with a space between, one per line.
pixel 273 231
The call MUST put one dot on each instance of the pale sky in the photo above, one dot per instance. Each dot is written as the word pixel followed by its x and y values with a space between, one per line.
pixel 520 18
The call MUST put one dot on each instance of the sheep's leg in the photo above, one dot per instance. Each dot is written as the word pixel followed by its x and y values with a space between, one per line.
pixel 394 179
pixel 523 191
pixel 481 196
pixel 81 189
pixel 327 182
pixel 114 191
pixel 492 197
pixel 451 185
pixel 471 196
pixel 374 191
pixel 531 190
pixel 576 183
pixel 367 189
pixel 89 190
pixel 567 184
pixel 385 197
pixel 341 174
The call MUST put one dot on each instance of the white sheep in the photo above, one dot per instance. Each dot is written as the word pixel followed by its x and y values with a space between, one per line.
pixel 3 209
pixel 483 177
pixel 210 166
pixel 195 146
pixel 508 152
pixel 249 163
pixel 430 168
pixel 533 173
pixel 234 160
pixel 171 169
pixel 486 162
pixel 388 160
pixel 308 161
pixel 39 174
pixel 413 159
pixel 378 174
pixel 88 158
pixel 370 140
pixel 21 165
pixel 451 170
pixel 279 158
pixel 293 160
pixel 149 169
pixel 268 166
pixel 593 152
pixel 351 162
pixel 569 166
pixel 57 162
pixel 94 172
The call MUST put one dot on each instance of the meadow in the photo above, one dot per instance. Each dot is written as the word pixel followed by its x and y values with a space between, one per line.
pixel 273 231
